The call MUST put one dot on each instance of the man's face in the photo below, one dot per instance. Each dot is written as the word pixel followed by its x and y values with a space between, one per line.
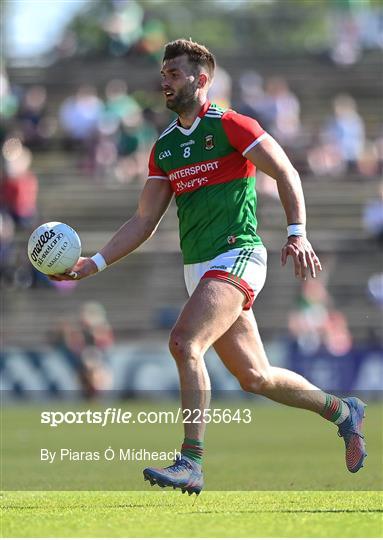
pixel 179 84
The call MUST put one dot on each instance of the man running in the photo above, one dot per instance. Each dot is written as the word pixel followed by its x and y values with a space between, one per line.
pixel 207 159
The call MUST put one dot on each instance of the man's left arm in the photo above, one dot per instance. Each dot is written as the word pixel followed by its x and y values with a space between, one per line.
pixel 269 157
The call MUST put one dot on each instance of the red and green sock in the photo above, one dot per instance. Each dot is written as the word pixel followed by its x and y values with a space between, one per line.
pixel 192 449
pixel 335 410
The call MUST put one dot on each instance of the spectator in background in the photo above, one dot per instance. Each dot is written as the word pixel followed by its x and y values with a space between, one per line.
pixel 125 135
pixel 340 146
pixel 278 111
pixel 356 25
pixel 345 131
pixel 95 326
pixel 275 107
pixel 315 323
pixel 252 99
pixel 119 104
pixel 97 335
pixel 79 116
pixel 35 125
pixel 85 344
pixel 283 109
pixel 19 185
pixel 346 31
pixel 134 140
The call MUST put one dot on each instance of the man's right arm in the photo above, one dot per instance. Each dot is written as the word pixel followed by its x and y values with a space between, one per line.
pixel 153 203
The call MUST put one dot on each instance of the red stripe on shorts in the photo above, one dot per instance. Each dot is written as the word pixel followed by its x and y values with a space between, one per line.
pixel 241 284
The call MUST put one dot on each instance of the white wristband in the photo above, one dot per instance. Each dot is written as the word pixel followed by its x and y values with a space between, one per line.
pixel 296 229
pixel 100 262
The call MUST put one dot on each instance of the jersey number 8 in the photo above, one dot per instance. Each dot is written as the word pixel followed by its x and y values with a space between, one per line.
pixel 187 152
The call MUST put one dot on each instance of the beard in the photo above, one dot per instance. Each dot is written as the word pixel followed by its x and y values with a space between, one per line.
pixel 184 100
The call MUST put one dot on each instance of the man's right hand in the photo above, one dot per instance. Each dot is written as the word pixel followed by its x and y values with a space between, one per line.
pixel 83 268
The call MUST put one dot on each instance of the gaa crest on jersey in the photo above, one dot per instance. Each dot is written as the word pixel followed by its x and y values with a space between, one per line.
pixel 209 142
pixel 231 239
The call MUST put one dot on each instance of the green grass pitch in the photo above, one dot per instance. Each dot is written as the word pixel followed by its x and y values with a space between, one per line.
pixel 287 467
pixel 213 514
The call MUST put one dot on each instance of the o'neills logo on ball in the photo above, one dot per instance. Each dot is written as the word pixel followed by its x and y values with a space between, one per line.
pixel 43 239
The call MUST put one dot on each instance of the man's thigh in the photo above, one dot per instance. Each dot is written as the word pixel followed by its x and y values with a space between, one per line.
pixel 240 347
pixel 210 311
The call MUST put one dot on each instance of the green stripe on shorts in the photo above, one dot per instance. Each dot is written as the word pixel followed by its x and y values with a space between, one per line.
pixel 244 262
pixel 240 263
pixel 238 260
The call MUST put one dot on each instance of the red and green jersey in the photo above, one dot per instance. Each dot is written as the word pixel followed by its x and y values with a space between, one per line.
pixel 213 182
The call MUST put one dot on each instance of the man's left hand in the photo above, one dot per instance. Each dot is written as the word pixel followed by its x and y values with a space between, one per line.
pixel 303 255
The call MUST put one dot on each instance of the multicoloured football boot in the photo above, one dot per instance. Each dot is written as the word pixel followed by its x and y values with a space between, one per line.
pixel 350 430
pixel 184 474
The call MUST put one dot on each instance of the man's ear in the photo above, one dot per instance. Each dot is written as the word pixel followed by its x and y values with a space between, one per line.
pixel 202 80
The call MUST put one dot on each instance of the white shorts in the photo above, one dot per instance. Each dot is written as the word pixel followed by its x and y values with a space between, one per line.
pixel 245 268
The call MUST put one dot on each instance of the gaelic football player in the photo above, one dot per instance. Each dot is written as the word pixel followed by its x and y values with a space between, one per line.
pixel 206 159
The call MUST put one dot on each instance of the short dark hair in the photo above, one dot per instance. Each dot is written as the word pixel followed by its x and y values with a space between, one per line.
pixel 198 55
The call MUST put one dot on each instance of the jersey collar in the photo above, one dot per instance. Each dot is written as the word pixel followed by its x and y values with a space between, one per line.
pixel 194 125
pixel 204 109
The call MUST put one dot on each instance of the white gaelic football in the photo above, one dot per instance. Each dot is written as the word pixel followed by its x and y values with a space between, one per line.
pixel 54 247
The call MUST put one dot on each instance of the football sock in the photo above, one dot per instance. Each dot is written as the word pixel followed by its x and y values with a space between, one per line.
pixel 335 409
pixel 192 449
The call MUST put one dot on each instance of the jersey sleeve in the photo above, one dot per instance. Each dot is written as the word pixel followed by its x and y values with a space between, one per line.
pixel 154 171
pixel 242 131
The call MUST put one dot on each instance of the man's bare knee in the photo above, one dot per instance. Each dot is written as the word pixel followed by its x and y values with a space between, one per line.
pixel 255 381
pixel 182 347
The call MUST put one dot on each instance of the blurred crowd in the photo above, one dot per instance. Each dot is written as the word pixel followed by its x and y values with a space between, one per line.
pixel 112 130
pixel 337 148
pixel 114 135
